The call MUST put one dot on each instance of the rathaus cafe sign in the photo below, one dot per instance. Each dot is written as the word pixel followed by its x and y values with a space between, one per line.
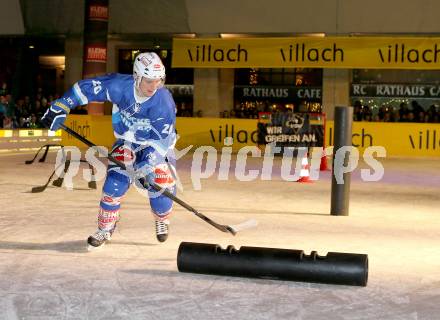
pixel 308 52
pixel 278 93
pixel 395 90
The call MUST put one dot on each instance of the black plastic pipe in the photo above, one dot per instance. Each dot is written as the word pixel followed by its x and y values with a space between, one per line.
pixel 340 193
pixel 272 263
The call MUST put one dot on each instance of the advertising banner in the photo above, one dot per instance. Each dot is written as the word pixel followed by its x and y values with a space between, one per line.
pixel 287 129
pixel 399 139
pixel 308 52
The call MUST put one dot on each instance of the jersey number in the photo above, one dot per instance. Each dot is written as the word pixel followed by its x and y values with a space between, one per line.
pixel 167 129
pixel 96 86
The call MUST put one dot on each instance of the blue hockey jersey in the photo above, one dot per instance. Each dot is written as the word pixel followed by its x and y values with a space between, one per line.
pixel 139 120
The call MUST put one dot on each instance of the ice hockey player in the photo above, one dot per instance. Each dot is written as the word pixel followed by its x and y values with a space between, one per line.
pixel 143 120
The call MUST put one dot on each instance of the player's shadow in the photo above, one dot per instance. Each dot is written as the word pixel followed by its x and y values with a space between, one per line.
pixel 76 246
pixel 9 184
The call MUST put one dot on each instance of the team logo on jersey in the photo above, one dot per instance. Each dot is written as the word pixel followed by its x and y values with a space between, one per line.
pixel 137 107
pixel 135 123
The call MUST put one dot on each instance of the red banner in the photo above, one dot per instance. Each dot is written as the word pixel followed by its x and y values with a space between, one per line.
pixel 96 53
pixel 98 13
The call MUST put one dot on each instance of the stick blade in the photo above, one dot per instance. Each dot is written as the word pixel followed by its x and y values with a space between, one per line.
pixel 29 161
pixel 58 182
pixel 38 189
pixel 92 185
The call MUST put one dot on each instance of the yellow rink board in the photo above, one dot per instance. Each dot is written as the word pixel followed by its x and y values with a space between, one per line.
pixel 399 139
pixel 191 131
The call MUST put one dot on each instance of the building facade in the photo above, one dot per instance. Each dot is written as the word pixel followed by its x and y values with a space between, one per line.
pixel 136 25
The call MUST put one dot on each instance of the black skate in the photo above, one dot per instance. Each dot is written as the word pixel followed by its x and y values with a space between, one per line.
pixel 162 230
pixel 99 238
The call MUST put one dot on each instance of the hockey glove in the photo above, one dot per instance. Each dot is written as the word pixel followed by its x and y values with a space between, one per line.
pixel 55 115
pixel 160 175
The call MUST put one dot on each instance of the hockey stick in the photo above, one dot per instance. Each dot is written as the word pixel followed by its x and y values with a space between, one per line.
pixel 224 228
pixel 59 182
pixel 43 158
pixel 92 182
pixel 33 159
pixel 39 189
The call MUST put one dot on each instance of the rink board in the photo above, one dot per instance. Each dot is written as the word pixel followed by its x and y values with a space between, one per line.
pixel 399 139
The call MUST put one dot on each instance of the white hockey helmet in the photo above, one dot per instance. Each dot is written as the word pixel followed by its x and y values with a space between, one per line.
pixel 148 65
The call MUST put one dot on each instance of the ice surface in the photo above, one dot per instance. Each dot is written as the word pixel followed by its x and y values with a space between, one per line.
pixel 46 272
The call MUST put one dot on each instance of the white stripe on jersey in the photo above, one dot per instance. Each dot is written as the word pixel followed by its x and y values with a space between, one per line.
pixel 81 96
pixel 108 96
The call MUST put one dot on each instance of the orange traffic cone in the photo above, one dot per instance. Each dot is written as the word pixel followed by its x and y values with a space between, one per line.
pixel 304 175
pixel 324 166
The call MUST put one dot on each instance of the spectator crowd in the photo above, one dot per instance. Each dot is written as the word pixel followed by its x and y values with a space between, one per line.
pixel 25 111
pixel 404 113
